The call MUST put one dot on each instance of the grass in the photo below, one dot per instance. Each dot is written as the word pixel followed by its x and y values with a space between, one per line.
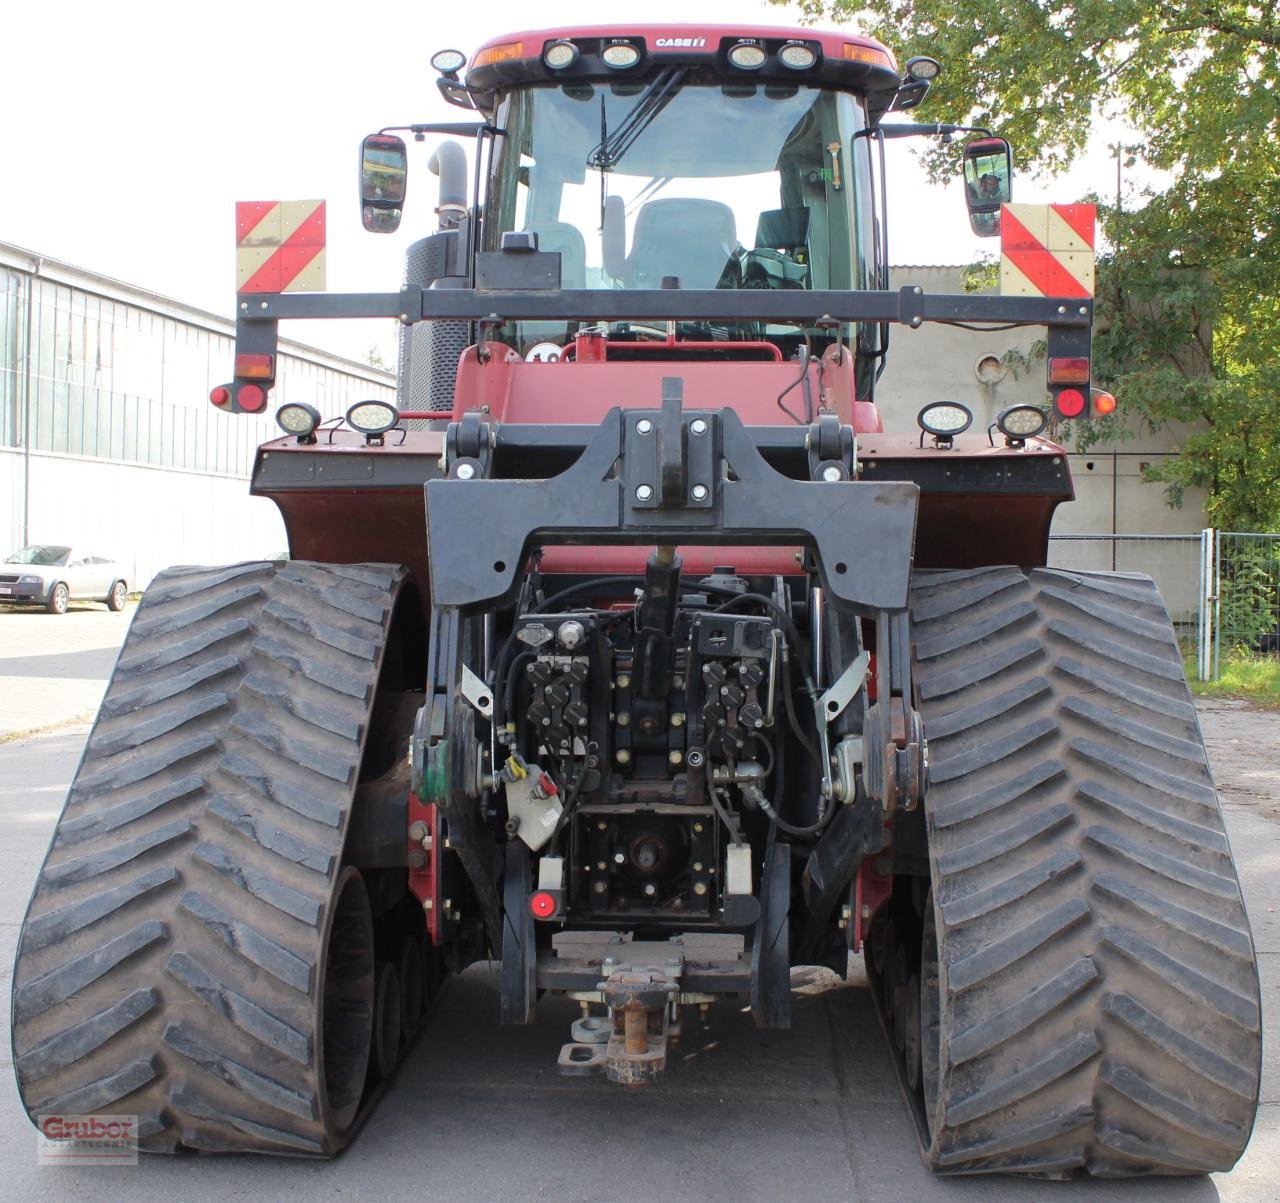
pixel 1245 675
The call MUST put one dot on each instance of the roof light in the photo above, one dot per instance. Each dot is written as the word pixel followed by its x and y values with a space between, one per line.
pixel 797 56
pixel 448 62
pixel 1074 370
pixel 1021 422
pixel 299 419
pixel 372 417
pixel 255 367
pixel 873 56
pixel 922 68
pixel 620 55
pixel 498 54
pixel 1103 403
pixel 747 56
pixel 1070 402
pixel 560 55
pixel 944 419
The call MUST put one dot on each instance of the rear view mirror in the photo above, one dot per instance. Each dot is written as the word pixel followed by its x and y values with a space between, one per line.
pixel 384 168
pixel 988 183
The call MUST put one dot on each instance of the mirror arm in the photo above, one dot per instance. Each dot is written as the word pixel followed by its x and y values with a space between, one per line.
pixel 895 129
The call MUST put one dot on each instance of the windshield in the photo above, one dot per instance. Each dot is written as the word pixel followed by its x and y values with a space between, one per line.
pixel 680 183
pixel 40 555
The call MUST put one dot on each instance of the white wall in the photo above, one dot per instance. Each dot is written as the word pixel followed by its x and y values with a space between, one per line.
pixel 146 518
pixel 938 363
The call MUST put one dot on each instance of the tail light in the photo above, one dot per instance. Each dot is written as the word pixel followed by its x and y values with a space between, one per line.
pixel 545 904
pixel 1071 403
pixel 1103 403
pixel 255 367
pixel 1073 370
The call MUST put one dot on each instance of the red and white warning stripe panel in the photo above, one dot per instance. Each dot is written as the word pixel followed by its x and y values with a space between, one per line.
pixel 280 246
pixel 1047 250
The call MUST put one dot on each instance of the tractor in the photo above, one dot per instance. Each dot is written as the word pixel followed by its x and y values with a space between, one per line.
pixel 627 649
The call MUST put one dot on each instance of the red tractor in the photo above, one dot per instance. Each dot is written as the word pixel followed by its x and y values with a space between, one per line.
pixel 631 651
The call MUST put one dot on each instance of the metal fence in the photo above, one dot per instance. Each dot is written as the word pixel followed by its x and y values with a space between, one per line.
pixel 1245 596
pixel 1222 588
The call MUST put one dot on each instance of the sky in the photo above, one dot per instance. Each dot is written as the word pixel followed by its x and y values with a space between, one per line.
pixel 130 129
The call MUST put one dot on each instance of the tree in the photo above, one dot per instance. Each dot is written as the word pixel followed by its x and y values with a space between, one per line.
pixel 1189 294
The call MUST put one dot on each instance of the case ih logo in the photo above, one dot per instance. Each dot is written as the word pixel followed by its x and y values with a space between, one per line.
pixel 88 1139
pixel 679 43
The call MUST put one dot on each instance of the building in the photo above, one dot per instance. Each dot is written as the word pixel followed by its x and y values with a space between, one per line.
pixel 980 369
pixel 107 437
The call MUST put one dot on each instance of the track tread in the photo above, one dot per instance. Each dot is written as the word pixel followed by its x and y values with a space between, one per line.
pixel 172 950
pixel 1099 992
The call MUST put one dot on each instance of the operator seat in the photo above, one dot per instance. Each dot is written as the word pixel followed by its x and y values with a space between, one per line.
pixel 686 237
pixel 567 239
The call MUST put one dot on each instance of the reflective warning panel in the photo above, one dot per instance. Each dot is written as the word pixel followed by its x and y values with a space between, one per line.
pixel 1047 250
pixel 280 246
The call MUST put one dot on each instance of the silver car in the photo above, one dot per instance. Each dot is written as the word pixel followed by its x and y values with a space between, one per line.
pixel 52 576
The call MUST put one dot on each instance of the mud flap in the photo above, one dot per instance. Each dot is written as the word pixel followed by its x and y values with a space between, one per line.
pixel 771 947
pixel 519 942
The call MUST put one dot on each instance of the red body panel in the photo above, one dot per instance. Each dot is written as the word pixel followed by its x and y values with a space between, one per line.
pixel 571 391
pixel 534 41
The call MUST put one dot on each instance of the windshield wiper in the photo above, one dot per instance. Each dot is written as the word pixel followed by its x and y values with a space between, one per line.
pixel 650 103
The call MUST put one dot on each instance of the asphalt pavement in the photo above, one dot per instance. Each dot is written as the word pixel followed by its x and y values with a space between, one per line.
pixel 477 1111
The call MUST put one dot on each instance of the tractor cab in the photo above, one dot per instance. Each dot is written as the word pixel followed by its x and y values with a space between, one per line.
pixel 634 160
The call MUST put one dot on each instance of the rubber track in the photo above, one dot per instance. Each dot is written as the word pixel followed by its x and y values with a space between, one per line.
pixel 1100 1003
pixel 170 961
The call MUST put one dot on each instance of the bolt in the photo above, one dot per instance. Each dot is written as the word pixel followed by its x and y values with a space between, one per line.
pixel 675 757
pixel 624 681
pixel 602 826
pixel 846 914
pixel 624 719
pixel 465 471
pixel 417 830
pixel 643 492
pixel 677 720
pixel 601 865
pixel 650 889
pixel 417 858
pixel 600 887
pixel 677 682
pixel 695 762
pixel 831 473
pixel 697 866
pixel 699 492
pixel 697 827
pixel 609 964
pixel 619 858
pixel 623 756
pixel 263 306
pixel 427 904
pixel 699 888
pixel 698 426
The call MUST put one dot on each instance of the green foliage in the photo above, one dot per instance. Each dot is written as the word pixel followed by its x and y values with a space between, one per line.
pixel 1248 593
pixel 1189 297
pixel 1252 677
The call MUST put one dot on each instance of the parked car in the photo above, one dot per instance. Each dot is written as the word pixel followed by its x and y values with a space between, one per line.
pixel 52 575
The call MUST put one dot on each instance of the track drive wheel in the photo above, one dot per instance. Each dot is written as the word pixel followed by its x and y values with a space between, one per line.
pixel 1090 998
pixel 195 952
